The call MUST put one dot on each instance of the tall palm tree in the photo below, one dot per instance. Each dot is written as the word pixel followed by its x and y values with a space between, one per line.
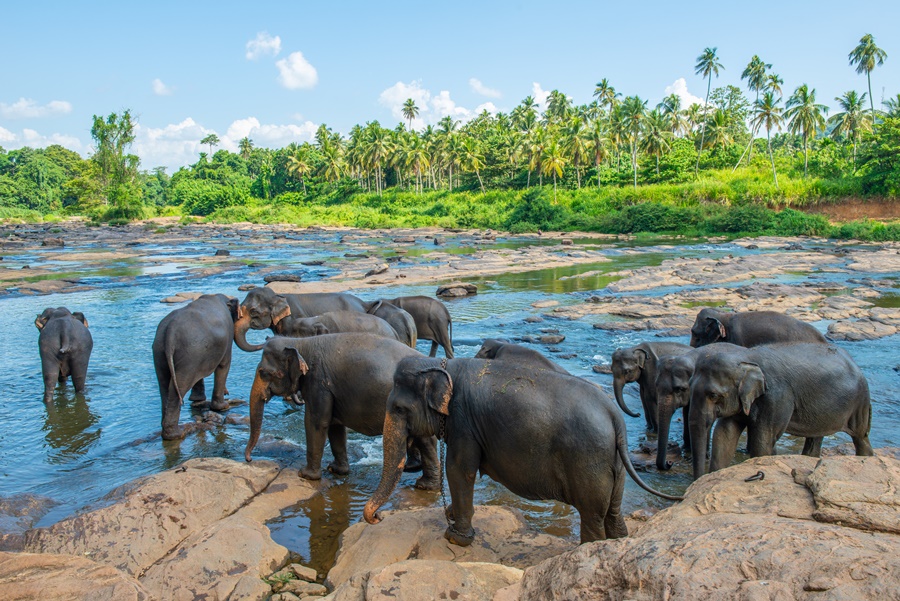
pixel 866 56
pixel 707 65
pixel 670 107
pixel 720 135
pixel 598 142
pixel 575 145
pixel 766 112
pixel 773 83
pixel 377 151
pixel 410 111
pixel 553 161
pixel 852 121
pixel 633 117
pixel 537 141
pixel 558 107
pixel 298 164
pixel 806 117
pixel 333 164
pixel 656 135
pixel 245 146
pixel 755 74
pixel 893 106
pixel 605 94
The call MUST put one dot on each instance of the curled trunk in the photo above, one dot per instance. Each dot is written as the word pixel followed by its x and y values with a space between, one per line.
pixel 618 385
pixel 258 397
pixel 240 335
pixel 394 461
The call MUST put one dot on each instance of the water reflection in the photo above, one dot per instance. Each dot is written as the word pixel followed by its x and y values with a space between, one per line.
pixel 67 426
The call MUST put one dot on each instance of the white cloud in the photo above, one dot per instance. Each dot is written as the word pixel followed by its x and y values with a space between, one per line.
pixel 34 139
pixel 480 88
pixel 445 106
pixel 679 88
pixel 540 96
pixel 6 135
pixel 487 106
pixel 26 108
pixel 262 45
pixel 432 107
pixel 295 72
pixel 161 89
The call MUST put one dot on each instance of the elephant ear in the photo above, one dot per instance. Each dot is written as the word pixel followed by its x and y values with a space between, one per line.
pixel 280 309
pixel 438 389
pixel 80 317
pixel 40 322
pixel 715 328
pixel 234 307
pixel 640 356
pixel 752 385
pixel 374 307
pixel 296 366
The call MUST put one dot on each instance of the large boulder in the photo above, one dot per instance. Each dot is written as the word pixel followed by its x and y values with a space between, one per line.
pixel 502 536
pixel 811 529
pixel 29 576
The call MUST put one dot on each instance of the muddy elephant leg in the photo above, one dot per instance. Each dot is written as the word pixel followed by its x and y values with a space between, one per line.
pixel 724 443
pixel 462 468
pixel 337 439
pixel 431 468
pixel 198 392
pixel 812 447
pixel 220 375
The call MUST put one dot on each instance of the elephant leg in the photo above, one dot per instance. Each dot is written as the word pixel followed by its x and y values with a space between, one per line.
pixel 337 439
pixel 431 469
pixel 649 405
pixel 724 443
pixel 316 422
pixel 413 458
pixel 858 428
pixel 171 412
pixel 462 469
pixel 686 435
pixel 613 523
pixel 220 375
pixel 812 447
pixel 79 373
pixel 434 348
pixel 761 440
pixel 51 377
pixel 198 392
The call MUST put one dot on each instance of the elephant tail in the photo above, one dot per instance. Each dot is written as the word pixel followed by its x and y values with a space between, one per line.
pixel 622 447
pixel 170 359
pixel 63 344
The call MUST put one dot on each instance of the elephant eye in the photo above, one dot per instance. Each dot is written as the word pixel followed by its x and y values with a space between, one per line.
pixel 680 388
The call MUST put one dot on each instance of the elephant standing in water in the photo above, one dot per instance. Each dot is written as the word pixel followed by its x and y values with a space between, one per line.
pixel 336 322
pixel 402 322
pixel 432 321
pixel 345 380
pixel 65 345
pixel 191 343
pixel 501 350
pixel 263 309
pixel 750 328
pixel 638 364
pixel 554 437
pixel 808 389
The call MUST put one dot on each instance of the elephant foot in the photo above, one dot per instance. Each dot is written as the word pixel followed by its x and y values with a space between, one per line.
pixel 413 461
pixel 307 473
pixel 458 538
pixel 219 405
pixel 176 433
pixel 339 469
pixel 428 483
pixel 197 398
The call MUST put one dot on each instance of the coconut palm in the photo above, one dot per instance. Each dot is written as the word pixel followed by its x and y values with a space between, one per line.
pixel 298 164
pixel 773 83
pixel 633 118
pixel 537 140
pixel 766 112
pixel 245 146
pixel 377 151
pixel 332 164
pixel 605 94
pixel 707 65
pixel 558 107
pixel 893 106
pixel 553 161
pixel 212 140
pixel 852 121
pixel 598 144
pixel 806 117
pixel 473 158
pixel 866 56
pixel 670 107
pixel 755 74
pixel 656 135
pixel 575 145
pixel 719 129
pixel 410 111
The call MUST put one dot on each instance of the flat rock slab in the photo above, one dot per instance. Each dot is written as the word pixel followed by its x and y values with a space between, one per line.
pixel 456 289
pixel 40 576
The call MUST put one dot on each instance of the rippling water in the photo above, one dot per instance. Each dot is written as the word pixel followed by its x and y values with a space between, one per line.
pixel 78 448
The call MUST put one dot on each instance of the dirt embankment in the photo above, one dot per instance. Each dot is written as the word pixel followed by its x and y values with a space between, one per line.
pixel 854 209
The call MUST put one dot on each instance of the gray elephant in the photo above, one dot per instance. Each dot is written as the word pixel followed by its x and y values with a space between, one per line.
pixel 638 364
pixel 808 389
pixel 65 346
pixel 263 309
pixel 336 322
pixel 554 437
pixel 432 321
pixel 402 322
pixel 345 380
pixel 494 348
pixel 191 343
pixel 750 328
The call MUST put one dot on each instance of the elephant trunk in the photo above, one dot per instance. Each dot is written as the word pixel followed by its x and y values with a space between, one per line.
pixel 240 333
pixel 258 397
pixel 699 434
pixel 665 410
pixel 394 461
pixel 618 385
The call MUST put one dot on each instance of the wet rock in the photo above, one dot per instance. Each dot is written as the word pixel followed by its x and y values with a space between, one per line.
pixel 246 287
pixel 860 329
pixel 377 270
pixel 456 289
pixel 502 536
pixel 438 240
pixel 223 253
pixel 533 319
pixel 19 512
pixel 51 576
pixel 182 297
pixel 312 263
pixel 545 304
pixel 53 242
pixel 283 277
pixel 405 240
pixel 602 369
pixel 237 420
pixel 778 546
pixel 551 339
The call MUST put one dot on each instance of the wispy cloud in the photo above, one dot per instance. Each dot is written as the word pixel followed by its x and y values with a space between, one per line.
pixel 263 45
pixel 161 89
pixel 480 88
pixel 295 72
pixel 26 108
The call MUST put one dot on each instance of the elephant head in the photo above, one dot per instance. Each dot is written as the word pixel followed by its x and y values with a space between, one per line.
pixel 489 348
pixel 708 328
pixel 420 397
pixel 673 391
pixel 303 327
pixel 627 365
pixel 51 313
pixel 723 385
pixel 261 309
pixel 280 373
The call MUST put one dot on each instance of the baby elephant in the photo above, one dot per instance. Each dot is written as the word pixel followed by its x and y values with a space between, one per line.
pixel 811 390
pixel 638 364
pixel 335 322
pixel 493 348
pixel 65 345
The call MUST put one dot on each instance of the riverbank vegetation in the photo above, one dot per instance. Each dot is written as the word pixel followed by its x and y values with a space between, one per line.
pixel 613 165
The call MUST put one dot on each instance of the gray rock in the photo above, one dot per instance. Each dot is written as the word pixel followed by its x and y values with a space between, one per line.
pixel 283 277
pixel 223 253
pixel 377 270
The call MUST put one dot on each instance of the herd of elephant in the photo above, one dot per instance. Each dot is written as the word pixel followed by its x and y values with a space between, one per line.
pixel 354 365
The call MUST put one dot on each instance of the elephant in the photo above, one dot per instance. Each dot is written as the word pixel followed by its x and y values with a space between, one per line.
pixel 262 309
pixel 336 322
pixel 191 343
pixel 432 321
pixel 553 437
pixel 805 389
pixel 402 322
pixel 750 328
pixel 493 348
pixel 65 346
pixel 638 364
pixel 345 380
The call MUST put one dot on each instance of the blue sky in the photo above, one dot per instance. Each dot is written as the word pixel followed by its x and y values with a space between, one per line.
pixel 275 70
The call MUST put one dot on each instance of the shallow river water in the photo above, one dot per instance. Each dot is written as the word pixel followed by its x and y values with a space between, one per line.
pixel 77 449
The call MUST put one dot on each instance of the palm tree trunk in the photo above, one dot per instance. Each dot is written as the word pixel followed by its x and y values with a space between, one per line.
pixel 805 155
pixel 771 156
pixel 480 183
pixel 703 129
pixel 657 163
pixel 871 98
pixel 554 187
pixel 634 163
